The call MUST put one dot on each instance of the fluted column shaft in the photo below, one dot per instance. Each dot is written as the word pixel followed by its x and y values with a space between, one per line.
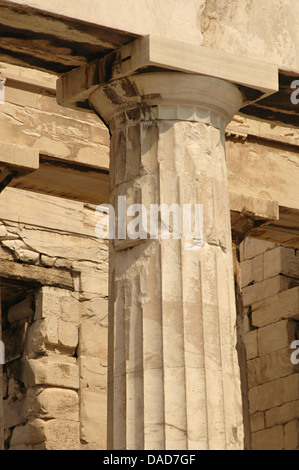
pixel 174 380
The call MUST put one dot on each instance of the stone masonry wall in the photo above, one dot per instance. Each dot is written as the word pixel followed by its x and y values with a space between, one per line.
pixel 270 280
pixel 55 376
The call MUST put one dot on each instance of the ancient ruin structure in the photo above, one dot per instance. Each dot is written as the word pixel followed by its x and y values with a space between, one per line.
pixel 141 343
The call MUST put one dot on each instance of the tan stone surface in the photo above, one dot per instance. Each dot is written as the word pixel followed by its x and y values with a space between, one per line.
pixel 57 303
pixel 93 341
pixel 251 248
pixel 271 395
pixel 257 422
pixel 267 288
pixel 251 344
pixel 243 30
pixel 32 433
pixel 281 306
pixel 277 336
pixel 55 403
pixel 283 414
pixel 268 439
pixel 217 25
pixel 270 367
pixel 31 119
pixel 131 16
pixel 51 371
pixel 291 435
pixel 281 260
pixel 93 418
pixel 93 373
pixel 260 170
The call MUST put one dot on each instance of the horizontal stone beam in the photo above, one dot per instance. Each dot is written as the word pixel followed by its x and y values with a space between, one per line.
pixel 47 277
pixel 16 161
pixel 248 213
pixel 284 231
pixel 69 180
pixel 18 158
pixel 258 208
pixel 258 79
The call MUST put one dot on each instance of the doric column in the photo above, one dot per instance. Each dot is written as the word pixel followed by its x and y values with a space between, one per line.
pixel 174 380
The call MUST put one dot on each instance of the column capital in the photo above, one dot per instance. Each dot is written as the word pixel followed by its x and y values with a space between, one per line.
pixel 167 96
pixel 150 54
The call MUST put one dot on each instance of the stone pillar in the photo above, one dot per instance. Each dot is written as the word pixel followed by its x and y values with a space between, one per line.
pixel 174 380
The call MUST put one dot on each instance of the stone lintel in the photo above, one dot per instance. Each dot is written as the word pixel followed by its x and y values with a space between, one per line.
pixel 16 161
pixel 249 213
pixel 257 79
pixel 258 208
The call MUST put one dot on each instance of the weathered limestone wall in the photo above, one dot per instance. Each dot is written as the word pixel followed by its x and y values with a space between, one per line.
pixel 267 31
pixel 31 117
pixel 166 18
pixel 55 383
pixel 270 279
pixel 55 378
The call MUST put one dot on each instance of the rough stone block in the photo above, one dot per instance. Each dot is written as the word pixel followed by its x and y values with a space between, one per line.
pixel 270 367
pixel 3 231
pixel 246 273
pixel 282 414
pixel 94 284
pixel 68 334
pixel 62 434
pixel 93 417
pixel 32 433
pixel 276 336
pixel 251 345
pixel 55 434
pixel 93 375
pixel 48 260
pixel 268 439
pixel 56 302
pixel 275 308
pixel 21 310
pixel 253 247
pixel 291 435
pixel 96 308
pixel 267 288
pixel 54 371
pixel 257 422
pixel 14 412
pixel 258 268
pixel 266 396
pixel 41 334
pixel 291 388
pixel 55 403
pixel 93 340
pixel 281 260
